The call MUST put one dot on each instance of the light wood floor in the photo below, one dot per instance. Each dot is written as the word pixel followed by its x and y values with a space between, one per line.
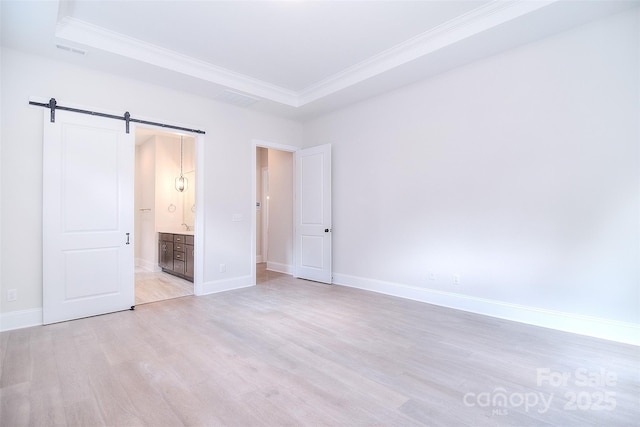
pixel 159 286
pixel 294 353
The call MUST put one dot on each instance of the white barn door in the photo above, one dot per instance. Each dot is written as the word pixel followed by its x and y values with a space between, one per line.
pixel 88 266
pixel 312 216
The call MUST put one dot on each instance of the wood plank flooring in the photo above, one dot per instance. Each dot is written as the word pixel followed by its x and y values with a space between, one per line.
pixel 295 353
pixel 159 286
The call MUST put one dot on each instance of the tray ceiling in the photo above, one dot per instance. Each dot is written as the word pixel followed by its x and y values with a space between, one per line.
pixel 293 58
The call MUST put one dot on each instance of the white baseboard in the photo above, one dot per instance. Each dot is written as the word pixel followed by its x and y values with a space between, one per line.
pixel 259 259
pixel 224 285
pixel 613 330
pixel 33 317
pixel 20 319
pixel 279 268
pixel 147 265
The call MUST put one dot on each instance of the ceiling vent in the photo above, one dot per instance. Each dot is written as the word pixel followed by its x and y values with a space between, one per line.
pixel 71 49
pixel 236 98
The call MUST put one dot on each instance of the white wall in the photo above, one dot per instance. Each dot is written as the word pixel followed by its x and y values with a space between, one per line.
pixel 168 207
pixel 144 205
pixel 280 251
pixel 227 155
pixel 519 172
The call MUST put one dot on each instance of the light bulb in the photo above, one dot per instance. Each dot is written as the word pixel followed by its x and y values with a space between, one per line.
pixel 181 183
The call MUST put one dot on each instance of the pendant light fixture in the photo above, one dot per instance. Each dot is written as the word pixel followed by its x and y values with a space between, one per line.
pixel 181 181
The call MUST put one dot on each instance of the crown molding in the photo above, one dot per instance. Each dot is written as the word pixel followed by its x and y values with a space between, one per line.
pixel 487 16
pixel 84 33
pixel 464 26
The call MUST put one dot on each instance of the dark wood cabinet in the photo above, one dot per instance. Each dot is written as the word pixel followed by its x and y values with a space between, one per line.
pixel 176 254
pixel 165 251
pixel 189 260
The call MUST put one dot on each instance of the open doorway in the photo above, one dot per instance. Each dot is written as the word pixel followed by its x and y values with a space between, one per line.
pixel 273 223
pixel 307 235
pixel 164 215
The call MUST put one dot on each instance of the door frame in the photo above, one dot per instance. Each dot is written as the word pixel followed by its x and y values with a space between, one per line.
pixel 200 175
pixel 265 212
pixel 198 274
pixel 255 143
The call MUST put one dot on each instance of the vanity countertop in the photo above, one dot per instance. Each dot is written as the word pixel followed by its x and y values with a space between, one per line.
pixel 176 231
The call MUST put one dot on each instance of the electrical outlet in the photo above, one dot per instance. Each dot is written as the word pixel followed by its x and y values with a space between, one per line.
pixel 223 268
pixel 12 295
pixel 456 279
pixel 431 275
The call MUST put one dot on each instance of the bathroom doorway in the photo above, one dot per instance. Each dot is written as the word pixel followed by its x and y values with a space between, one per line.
pixel 273 225
pixel 165 206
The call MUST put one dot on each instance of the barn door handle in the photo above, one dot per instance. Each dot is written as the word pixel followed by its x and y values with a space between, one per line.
pixel 127 238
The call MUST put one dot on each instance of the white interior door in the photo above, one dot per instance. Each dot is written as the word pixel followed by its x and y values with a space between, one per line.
pixel 312 216
pixel 88 265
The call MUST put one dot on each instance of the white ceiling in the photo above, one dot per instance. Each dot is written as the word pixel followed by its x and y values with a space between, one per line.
pixel 293 58
pixel 288 43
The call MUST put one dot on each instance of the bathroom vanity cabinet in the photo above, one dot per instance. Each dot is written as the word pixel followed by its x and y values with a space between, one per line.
pixel 175 254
